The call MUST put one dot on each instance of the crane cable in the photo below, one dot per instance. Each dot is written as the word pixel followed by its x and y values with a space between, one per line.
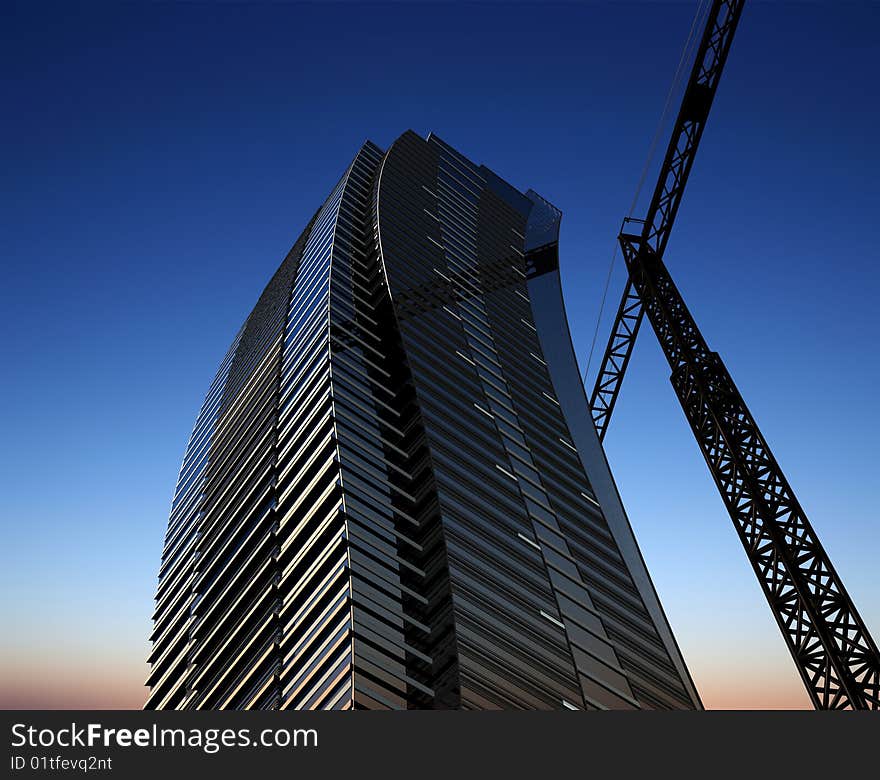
pixel 686 54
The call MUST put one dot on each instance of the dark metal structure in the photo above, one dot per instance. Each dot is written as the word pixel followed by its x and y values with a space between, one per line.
pixel 687 131
pixel 837 658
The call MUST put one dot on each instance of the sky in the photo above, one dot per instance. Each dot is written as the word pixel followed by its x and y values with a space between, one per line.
pixel 159 160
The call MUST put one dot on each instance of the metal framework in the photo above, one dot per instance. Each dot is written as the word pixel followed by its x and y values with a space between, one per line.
pixel 700 90
pixel 836 656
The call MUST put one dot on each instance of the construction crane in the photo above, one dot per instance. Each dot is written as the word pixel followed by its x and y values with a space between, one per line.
pixel 837 658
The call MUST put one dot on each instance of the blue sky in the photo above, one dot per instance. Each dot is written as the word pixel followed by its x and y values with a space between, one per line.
pixel 159 161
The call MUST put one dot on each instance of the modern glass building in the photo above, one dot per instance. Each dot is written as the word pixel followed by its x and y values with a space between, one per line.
pixel 394 496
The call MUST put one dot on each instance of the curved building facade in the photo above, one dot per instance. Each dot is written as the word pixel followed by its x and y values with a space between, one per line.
pixel 393 496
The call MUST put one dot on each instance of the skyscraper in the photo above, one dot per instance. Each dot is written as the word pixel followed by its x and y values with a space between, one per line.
pixel 393 495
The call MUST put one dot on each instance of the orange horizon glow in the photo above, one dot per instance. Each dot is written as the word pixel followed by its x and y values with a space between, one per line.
pixel 100 685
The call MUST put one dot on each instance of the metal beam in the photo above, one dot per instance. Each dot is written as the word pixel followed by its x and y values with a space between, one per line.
pixel 836 656
pixel 695 105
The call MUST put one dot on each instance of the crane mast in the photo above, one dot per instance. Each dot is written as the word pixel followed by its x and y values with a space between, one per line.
pixel 836 656
pixel 687 131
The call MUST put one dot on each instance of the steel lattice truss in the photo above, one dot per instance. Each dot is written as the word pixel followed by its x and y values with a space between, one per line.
pixel 832 649
pixel 699 93
pixel 836 656
pixel 617 355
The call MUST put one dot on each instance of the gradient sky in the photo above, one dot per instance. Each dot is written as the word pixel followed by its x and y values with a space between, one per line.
pixel 160 160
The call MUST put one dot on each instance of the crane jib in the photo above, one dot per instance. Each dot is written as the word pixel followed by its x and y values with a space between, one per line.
pixel 832 648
